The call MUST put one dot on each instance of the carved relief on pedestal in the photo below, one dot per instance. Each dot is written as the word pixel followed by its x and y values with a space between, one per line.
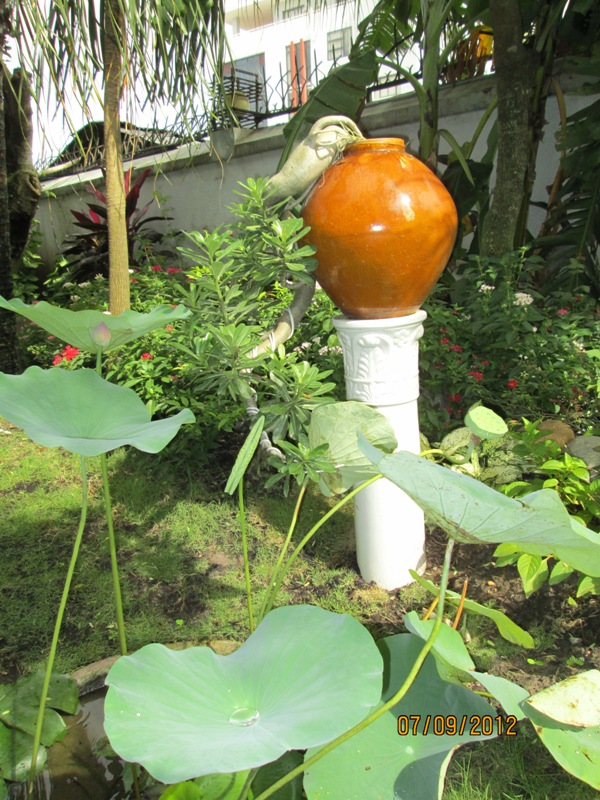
pixel 381 365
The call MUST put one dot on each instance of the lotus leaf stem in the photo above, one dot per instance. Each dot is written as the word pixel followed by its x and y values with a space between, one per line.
pixel 272 593
pixel 113 559
pixel 245 552
pixel 37 736
pixel 389 704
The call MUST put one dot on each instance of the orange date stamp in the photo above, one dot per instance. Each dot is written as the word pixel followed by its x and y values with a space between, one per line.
pixel 451 725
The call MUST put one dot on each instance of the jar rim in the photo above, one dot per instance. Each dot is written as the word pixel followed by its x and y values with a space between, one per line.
pixel 384 143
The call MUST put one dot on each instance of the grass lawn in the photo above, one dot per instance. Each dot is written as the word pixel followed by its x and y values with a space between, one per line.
pixel 182 579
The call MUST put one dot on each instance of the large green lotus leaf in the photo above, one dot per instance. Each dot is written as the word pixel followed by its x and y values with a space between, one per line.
pixel 82 412
pixel 302 678
pixel 336 424
pixel 15 754
pixel 378 762
pixel 87 330
pixel 455 664
pixel 209 787
pixel 508 629
pixel 469 511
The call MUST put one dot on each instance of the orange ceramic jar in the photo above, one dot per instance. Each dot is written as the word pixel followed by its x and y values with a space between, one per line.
pixel 384 226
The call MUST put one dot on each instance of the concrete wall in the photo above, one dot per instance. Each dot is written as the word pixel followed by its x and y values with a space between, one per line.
pixel 195 185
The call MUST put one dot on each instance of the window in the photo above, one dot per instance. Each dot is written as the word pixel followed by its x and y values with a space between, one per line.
pixel 293 8
pixel 339 43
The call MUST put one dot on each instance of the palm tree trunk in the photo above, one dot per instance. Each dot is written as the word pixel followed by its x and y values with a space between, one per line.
pixel 8 360
pixel 515 73
pixel 118 256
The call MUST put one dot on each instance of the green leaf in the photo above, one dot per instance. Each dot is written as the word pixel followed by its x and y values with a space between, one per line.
pixel 508 629
pixel 342 92
pixel 336 425
pixel 455 665
pixel 15 754
pixel 85 329
pixel 270 773
pixel 19 703
pixel 380 763
pixel 208 787
pixel 588 585
pixel 485 423
pixel 566 717
pixel 469 511
pixel 533 571
pixel 560 572
pixel 573 702
pixel 82 412
pixel 245 455
pixel 303 677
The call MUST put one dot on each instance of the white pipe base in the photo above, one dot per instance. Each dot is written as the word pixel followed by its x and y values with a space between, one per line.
pixel 381 359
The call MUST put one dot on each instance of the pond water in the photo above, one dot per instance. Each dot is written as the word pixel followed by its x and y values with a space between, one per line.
pixel 77 768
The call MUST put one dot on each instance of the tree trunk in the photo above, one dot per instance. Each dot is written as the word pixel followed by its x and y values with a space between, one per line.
pixel 24 184
pixel 428 129
pixel 118 255
pixel 8 359
pixel 515 75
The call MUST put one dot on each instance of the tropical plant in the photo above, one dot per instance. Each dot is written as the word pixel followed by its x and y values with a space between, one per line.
pixel 152 47
pixel 87 253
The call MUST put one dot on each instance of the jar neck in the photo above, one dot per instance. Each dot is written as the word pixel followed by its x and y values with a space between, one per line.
pixel 379 145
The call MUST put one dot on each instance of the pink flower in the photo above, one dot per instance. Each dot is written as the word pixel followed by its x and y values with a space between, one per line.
pixel 101 336
pixel 157 268
pixel 169 328
pixel 477 375
pixel 562 312
pixel 457 348
pixel 173 270
pixel 146 357
pixel 512 384
pixel 50 338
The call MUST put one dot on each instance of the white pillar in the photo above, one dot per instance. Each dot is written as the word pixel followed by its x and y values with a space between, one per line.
pixel 381 363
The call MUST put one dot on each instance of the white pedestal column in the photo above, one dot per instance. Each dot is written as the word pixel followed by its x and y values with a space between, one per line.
pixel 381 362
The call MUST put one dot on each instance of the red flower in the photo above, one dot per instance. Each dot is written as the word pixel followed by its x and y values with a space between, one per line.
pixel 157 268
pixel 146 357
pixel 134 280
pixel 69 353
pixel 512 384
pixel 454 398
pixel 457 348
pixel 477 375
pixel 173 270
pixel 485 362
pixel 443 330
pixel 438 366
pixel 56 361
pixel 562 312
pixel 169 328
pixel 445 341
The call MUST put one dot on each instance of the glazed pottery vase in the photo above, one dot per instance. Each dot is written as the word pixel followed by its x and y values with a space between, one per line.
pixel 384 227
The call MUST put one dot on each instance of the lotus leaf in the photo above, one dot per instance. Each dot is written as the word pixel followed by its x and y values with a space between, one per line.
pixel 87 329
pixel 331 424
pixel 469 511
pixel 82 412
pixel 377 761
pixel 302 678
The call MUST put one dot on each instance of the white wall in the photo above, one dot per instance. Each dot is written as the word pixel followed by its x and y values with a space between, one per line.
pixel 198 186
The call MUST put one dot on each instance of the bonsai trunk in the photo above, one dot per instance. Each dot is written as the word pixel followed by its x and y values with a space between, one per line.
pixel 118 255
